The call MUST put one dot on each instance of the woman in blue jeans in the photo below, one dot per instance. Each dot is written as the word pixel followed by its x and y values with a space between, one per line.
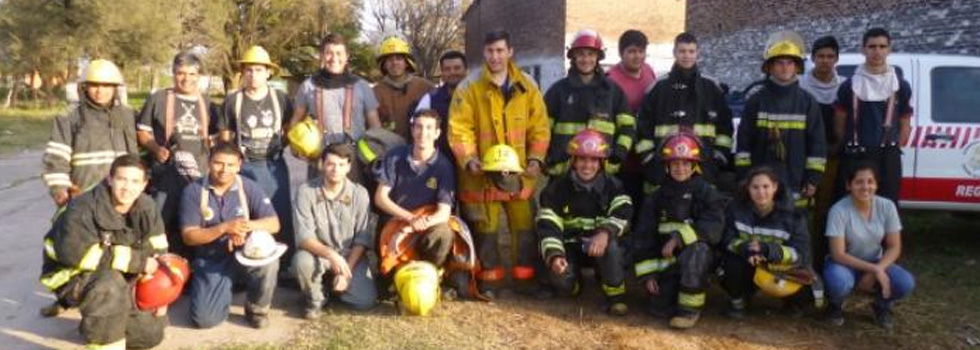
pixel 865 242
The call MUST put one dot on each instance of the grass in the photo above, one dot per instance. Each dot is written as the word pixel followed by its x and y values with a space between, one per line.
pixel 25 129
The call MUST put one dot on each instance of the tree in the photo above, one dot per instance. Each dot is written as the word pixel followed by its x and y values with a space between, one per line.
pixel 431 27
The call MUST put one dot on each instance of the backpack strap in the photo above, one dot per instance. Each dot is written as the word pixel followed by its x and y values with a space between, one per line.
pixel 169 118
pixel 348 109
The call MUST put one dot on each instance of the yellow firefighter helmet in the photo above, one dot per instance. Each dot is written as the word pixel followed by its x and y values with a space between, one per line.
pixel 257 55
pixel 102 72
pixel 417 284
pixel 502 158
pixel 774 285
pixel 394 45
pixel 306 139
pixel 785 43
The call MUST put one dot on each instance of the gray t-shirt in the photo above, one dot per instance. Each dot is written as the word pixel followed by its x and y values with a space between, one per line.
pixel 338 223
pixel 863 239
pixel 333 104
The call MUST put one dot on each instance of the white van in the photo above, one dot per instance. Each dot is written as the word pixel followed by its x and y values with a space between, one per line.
pixel 941 162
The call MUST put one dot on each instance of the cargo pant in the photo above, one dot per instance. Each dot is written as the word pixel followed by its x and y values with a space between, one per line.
pixel 609 268
pixel 273 176
pixel 109 317
pixel 211 288
pixel 311 270
pixel 485 218
pixel 684 284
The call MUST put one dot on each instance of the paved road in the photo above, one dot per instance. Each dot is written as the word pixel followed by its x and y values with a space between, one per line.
pixel 25 212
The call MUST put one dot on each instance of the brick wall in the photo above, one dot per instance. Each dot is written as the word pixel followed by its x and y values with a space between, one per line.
pixel 533 29
pixel 733 32
pixel 660 20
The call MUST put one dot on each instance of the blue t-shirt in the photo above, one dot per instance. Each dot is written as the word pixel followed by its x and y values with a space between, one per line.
pixel 223 208
pixel 417 186
pixel 871 115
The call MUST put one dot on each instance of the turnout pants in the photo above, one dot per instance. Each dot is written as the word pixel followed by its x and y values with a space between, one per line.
pixel 110 319
pixel 609 268
pixel 740 287
pixel 485 218
pixel 887 161
pixel 683 285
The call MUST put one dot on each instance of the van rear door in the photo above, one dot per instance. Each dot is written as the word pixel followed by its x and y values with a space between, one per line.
pixel 945 135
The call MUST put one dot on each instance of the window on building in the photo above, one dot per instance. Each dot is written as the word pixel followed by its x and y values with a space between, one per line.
pixel 954 94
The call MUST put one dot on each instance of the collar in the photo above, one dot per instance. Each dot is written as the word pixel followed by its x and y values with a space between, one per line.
pixel 105 214
pixel 597 185
pixel 345 196
pixel 825 93
pixel 235 186
pixel 89 104
pixel 397 85
pixel 874 87
pixel 682 74
pixel 575 79
pixel 644 71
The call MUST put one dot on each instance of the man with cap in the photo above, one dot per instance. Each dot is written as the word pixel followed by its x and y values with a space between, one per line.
pixel 501 117
pixel 254 119
pixel 332 233
pixel 586 99
pixel 85 141
pixel 342 104
pixel 823 82
pixel 175 127
pixel 398 89
pixel 781 126
pixel 219 214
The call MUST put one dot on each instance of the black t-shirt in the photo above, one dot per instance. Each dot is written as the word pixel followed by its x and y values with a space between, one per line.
pixel 260 132
pixel 185 141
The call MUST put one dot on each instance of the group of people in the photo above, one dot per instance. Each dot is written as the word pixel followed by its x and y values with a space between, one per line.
pixel 613 170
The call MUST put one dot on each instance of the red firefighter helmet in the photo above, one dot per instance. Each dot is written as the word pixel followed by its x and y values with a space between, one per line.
pixel 163 287
pixel 588 143
pixel 681 147
pixel 589 39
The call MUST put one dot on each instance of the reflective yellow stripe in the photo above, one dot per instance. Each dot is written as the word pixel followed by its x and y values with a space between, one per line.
pixel 603 126
pixel 704 130
pixel 610 291
pixel 58 278
pixel 618 223
pixel 685 230
pixel 121 256
pixel 366 151
pixel 565 128
pixel 546 214
pixel 662 131
pixel 644 146
pixel 91 259
pixel 611 168
pixel 619 201
pixel 745 236
pixel 580 223
pixel 734 244
pixel 694 301
pixel 724 141
pixel 816 163
pixel 648 188
pixel 116 345
pixel 653 265
pixel 625 120
pixel 784 125
pixel 159 242
pixel 789 255
pixel 49 249
pixel 558 168
pixel 743 159
pixel 625 141
pixel 551 243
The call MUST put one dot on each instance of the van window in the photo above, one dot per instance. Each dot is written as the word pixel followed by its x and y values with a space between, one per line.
pixel 847 71
pixel 954 94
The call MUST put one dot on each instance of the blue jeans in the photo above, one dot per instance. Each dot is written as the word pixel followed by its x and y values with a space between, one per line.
pixel 211 283
pixel 839 282
pixel 273 176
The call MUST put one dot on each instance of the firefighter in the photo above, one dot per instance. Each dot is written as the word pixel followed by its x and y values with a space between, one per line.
pixel 339 103
pixel 587 99
pixel 679 224
pixel 582 215
pixel 254 119
pixel 105 240
pixel 781 124
pixel 174 127
pixel 686 101
pixel 766 245
pixel 399 89
pixel 500 107
pixel 85 141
